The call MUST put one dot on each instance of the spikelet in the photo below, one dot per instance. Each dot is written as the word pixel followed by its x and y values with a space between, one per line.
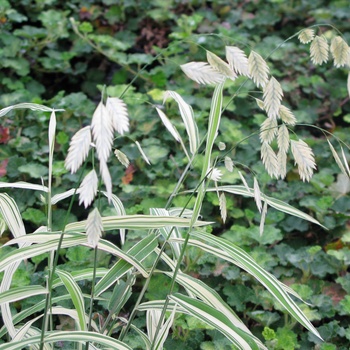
pixel 258 69
pixel 88 188
pixel 269 159
pixel 337 159
pixel 119 114
pixel 257 195
pixel 286 115
pixel 306 36
pixel 78 149
pixel 122 158
pixel 268 130
pixel 260 104
pixel 215 174
pixel 223 207
pixel 282 164
pixel 221 66
pixel 102 132
pixel 304 159
pixel 228 164
pixel 283 138
pixel 202 73
pixel 340 51
pixel 94 227
pixel 168 125
pixel 272 97
pixel 319 50
pixel 222 146
pixel 106 177
pixel 237 60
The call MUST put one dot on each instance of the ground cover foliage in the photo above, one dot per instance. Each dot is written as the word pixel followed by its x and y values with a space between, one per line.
pixel 65 58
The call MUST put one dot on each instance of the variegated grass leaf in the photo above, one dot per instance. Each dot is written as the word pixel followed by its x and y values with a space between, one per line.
pixel 269 159
pixel 102 132
pixel 88 188
pixel 188 119
pixel 32 106
pixel 304 158
pixel 119 114
pixel 143 154
pixel 223 207
pixel 319 50
pixel 258 69
pixel 272 97
pixel 340 51
pixel 78 149
pixel 202 73
pixel 268 130
pixel 221 66
pixel 94 227
pixel 348 84
pixel 122 157
pixel 237 60
pixel 282 164
pixel 306 35
pixel 228 164
pixel 257 194
pixel 262 219
pixel 244 181
pixel 286 115
pixel 337 159
pixel 107 180
pixel 283 138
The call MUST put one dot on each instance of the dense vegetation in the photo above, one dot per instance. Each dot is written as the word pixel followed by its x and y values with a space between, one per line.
pixel 65 57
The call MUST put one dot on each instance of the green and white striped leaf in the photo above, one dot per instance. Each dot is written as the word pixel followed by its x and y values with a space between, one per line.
pixel 11 215
pixel 208 314
pixel 188 119
pixel 272 202
pixel 49 241
pixel 136 222
pixel 76 297
pixel 20 293
pixel 23 185
pixel 232 253
pixel 74 336
pixel 139 251
pixel 32 106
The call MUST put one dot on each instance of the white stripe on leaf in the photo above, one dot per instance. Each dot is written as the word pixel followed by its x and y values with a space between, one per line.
pixel 258 69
